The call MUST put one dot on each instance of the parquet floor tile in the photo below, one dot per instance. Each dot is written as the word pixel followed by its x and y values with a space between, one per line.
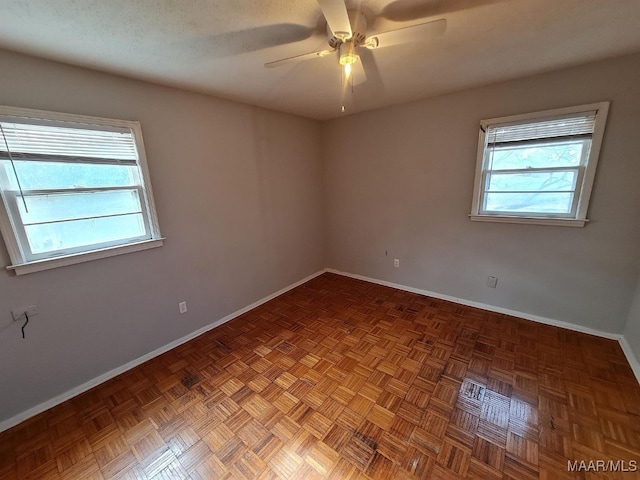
pixel 343 379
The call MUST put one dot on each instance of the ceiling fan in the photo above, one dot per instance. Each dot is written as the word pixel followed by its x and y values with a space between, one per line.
pixel 347 32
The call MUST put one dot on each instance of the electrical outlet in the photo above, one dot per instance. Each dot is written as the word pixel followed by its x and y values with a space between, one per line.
pixel 396 262
pixel 182 306
pixel 492 282
pixel 18 313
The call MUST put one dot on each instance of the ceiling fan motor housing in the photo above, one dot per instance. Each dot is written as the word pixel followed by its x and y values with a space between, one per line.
pixel 358 22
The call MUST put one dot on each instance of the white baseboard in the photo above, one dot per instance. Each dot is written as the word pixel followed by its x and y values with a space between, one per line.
pixel 631 357
pixel 6 424
pixel 484 306
pixel 633 361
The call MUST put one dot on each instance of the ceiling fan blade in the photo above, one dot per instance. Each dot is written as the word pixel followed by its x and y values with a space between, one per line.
pixel 335 12
pixel 407 10
pixel 299 58
pixel 414 33
pixel 374 79
pixel 239 42
pixel 358 73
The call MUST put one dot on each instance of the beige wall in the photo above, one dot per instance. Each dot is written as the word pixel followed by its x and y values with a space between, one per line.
pixel 239 199
pixel 632 329
pixel 400 180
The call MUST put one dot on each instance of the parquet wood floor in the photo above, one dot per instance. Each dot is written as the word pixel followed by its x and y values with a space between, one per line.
pixel 343 379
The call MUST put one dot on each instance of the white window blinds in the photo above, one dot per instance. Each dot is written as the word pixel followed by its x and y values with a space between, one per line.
pixel 574 126
pixel 42 142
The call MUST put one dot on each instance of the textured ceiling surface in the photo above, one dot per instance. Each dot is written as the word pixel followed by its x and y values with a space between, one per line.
pixel 219 47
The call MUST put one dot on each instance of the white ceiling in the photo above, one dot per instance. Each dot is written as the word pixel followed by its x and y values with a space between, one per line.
pixel 219 47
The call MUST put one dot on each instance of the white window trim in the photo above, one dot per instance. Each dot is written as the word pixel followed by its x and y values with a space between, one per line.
pixel 580 220
pixel 19 266
pixel 63 261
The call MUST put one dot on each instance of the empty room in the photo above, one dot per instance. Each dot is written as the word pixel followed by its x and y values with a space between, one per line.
pixel 321 239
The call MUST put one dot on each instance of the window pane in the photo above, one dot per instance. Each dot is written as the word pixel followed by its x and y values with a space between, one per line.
pixel 75 233
pixel 551 203
pixel 51 175
pixel 532 181
pixel 564 154
pixel 68 206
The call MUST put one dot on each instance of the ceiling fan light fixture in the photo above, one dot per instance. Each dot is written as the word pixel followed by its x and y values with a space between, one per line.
pixel 347 54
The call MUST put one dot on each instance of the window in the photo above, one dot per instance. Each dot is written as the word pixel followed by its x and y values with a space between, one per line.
pixel 74 188
pixel 539 167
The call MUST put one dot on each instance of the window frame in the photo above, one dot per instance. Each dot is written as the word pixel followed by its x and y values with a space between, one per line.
pixel 585 171
pixel 13 232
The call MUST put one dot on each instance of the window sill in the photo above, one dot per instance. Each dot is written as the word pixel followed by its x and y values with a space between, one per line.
pixel 560 222
pixel 37 266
